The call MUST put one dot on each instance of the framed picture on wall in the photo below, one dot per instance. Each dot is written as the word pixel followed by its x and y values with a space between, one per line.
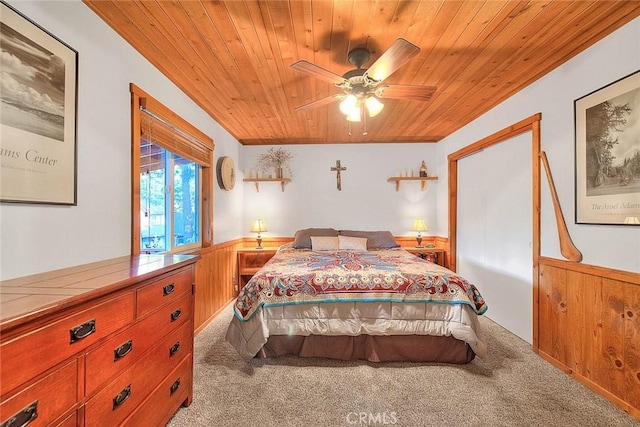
pixel 607 132
pixel 38 121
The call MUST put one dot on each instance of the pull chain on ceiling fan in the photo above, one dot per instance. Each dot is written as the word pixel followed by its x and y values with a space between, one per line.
pixel 362 87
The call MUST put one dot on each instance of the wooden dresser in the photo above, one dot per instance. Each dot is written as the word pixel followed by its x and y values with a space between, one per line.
pixel 101 344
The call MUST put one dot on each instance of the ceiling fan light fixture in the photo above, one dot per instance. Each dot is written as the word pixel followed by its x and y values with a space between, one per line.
pixel 363 87
pixel 373 106
pixel 348 106
pixel 380 73
pixel 354 117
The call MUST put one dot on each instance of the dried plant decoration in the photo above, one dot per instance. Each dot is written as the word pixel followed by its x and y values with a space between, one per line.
pixel 277 158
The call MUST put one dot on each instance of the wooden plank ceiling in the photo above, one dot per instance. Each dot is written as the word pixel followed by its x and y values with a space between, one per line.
pixel 233 57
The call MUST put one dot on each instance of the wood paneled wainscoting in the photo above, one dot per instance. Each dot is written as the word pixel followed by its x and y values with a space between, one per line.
pixel 217 276
pixel 589 326
pixel 217 272
pixel 216 279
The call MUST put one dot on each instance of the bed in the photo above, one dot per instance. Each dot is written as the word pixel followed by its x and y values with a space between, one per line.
pixel 356 295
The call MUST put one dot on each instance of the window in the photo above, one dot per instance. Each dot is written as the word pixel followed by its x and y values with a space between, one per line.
pixel 171 180
pixel 169 202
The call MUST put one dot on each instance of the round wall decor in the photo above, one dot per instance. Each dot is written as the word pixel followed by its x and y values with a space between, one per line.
pixel 226 173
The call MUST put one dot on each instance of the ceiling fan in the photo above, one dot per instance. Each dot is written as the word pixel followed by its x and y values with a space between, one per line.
pixel 362 87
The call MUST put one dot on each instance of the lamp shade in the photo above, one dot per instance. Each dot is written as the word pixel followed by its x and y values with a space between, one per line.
pixel 419 225
pixel 349 105
pixel 258 226
pixel 373 106
pixel 355 117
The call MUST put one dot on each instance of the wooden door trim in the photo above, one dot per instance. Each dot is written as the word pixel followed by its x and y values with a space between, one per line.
pixel 530 124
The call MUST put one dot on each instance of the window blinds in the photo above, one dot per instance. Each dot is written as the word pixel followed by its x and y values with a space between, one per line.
pixel 157 131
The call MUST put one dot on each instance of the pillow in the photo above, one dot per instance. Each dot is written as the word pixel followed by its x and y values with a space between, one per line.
pixel 352 243
pixel 375 239
pixel 324 243
pixel 302 238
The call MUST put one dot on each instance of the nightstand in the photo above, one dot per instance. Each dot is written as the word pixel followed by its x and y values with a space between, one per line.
pixel 436 255
pixel 250 260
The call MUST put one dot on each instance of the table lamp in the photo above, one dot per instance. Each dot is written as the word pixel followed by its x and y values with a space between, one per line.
pixel 419 226
pixel 259 227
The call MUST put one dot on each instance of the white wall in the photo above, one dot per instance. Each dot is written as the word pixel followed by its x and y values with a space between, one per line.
pixel 608 60
pixel 367 201
pixel 494 230
pixel 37 238
pixel 553 95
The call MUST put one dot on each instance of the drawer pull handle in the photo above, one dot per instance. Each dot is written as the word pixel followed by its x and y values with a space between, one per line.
pixel 121 397
pixel 82 331
pixel 123 350
pixel 168 289
pixel 174 349
pixel 175 315
pixel 24 417
pixel 175 386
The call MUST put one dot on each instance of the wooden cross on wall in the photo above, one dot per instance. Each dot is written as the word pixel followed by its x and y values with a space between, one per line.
pixel 338 169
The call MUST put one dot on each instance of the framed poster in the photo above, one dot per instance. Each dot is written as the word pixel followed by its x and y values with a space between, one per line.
pixel 607 132
pixel 38 119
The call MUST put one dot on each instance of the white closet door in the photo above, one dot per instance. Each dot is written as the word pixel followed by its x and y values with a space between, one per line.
pixel 495 230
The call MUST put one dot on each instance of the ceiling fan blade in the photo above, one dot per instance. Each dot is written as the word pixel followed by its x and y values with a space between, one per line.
pixel 393 58
pixel 416 93
pixel 317 72
pixel 321 102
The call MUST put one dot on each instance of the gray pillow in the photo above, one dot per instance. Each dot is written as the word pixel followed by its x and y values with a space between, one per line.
pixel 375 239
pixel 302 238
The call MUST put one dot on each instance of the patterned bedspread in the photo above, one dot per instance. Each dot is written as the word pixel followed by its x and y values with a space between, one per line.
pixel 307 277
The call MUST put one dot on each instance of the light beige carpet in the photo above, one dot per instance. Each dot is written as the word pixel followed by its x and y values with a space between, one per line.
pixel 512 386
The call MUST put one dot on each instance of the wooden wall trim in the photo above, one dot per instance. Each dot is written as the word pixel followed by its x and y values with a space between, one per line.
pixel 214 247
pixel 216 279
pixel 531 123
pixel 151 104
pixel 585 318
pixel 594 270
pixel 453 213
pixel 135 171
pixel 410 241
pixel 217 272
pixel 590 328
pixel 616 400
pixel 535 217
pixel 250 241
pixel 495 138
pixel 403 241
pixel 141 98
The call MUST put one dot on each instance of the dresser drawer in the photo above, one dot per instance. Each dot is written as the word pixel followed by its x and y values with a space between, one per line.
pixel 163 291
pixel 166 399
pixel 70 421
pixel 125 348
pixel 45 400
pixel 117 400
pixel 38 350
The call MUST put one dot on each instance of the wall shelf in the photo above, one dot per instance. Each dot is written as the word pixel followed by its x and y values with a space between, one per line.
pixel 423 180
pixel 257 181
